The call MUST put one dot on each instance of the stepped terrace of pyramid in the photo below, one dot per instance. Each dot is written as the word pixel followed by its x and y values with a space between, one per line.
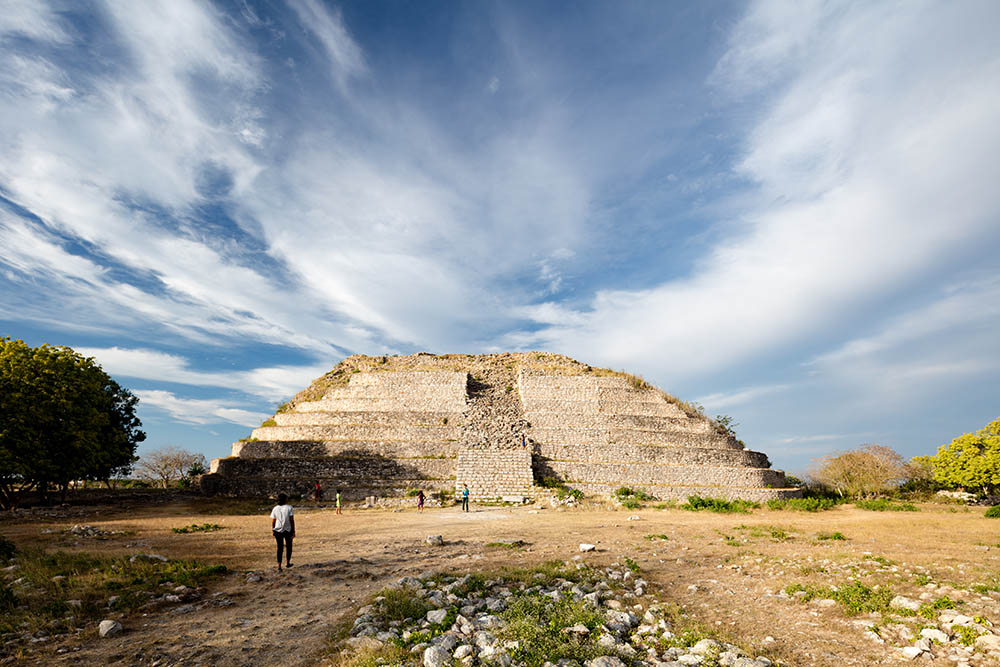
pixel 500 423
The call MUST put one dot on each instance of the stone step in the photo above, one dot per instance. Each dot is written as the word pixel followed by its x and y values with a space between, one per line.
pixel 313 449
pixel 454 379
pixel 595 407
pixel 352 432
pixel 352 488
pixel 390 393
pixel 345 466
pixel 611 421
pixel 365 418
pixel 632 475
pixel 685 455
pixel 611 438
pixel 681 492
pixel 400 404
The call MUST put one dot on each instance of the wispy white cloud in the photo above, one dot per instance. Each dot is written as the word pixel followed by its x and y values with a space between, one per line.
pixel 719 401
pixel 866 179
pixel 272 383
pixel 198 411
pixel 345 56
pixel 31 19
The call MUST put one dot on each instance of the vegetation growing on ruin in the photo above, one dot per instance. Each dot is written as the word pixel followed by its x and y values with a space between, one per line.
pixel 529 362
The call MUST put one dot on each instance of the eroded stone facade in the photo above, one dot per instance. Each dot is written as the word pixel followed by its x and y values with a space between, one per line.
pixel 499 423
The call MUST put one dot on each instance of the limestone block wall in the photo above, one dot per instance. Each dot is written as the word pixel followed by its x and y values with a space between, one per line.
pixel 494 473
pixel 622 453
pixel 601 433
pixel 633 474
pixel 357 476
pixel 395 449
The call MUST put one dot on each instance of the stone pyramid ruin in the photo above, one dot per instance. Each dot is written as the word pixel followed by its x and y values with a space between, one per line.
pixel 501 423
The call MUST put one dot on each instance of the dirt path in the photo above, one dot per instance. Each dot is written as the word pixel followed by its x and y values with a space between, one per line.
pixel 724 570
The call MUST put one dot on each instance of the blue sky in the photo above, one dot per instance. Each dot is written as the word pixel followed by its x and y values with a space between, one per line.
pixel 786 211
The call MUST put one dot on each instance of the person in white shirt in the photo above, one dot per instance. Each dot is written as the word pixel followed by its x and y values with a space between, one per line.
pixel 283 528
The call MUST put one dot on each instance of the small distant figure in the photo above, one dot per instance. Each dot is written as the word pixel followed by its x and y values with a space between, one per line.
pixel 465 497
pixel 283 528
pixel 420 501
pixel 524 442
pixel 317 492
pixel 338 501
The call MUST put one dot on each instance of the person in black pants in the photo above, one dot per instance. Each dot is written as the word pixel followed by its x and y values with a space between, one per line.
pixel 283 528
pixel 465 497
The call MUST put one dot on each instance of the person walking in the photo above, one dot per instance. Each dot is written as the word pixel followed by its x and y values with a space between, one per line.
pixel 338 501
pixel 420 501
pixel 283 528
pixel 317 492
pixel 465 497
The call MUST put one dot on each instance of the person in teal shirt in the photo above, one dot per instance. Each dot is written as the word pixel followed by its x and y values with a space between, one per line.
pixel 465 497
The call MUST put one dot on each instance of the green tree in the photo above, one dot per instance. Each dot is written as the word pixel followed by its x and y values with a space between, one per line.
pixel 971 461
pixel 864 472
pixel 62 418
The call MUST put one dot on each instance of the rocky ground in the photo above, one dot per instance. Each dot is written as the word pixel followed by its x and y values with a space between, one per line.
pixel 776 586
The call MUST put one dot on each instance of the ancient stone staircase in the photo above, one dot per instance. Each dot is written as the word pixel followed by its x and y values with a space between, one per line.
pixel 494 422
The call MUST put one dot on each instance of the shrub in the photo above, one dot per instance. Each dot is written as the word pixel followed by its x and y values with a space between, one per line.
pixel 884 505
pixel 803 504
pixel 198 528
pixel 831 536
pixel 401 604
pixel 719 505
pixel 269 422
pixel 7 548
pixel 631 504
pixel 993 512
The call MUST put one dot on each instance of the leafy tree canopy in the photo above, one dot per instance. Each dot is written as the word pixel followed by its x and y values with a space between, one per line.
pixel 971 461
pixel 863 472
pixel 62 418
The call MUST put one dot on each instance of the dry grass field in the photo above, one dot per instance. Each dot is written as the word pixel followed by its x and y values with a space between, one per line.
pixel 727 572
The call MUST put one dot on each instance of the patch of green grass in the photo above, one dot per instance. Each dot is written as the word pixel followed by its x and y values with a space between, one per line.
pixel 884 505
pixel 513 545
pixel 536 623
pixel 670 504
pixel 993 512
pixel 269 422
pixel 804 504
pixel 562 491
pixel 719 505
pixel 855 597
pixel 387 654
pixel 401 604
pixel 921 579
pixel 965 635
pixel 631 504
pixel 91 579
pixel 631 564
pixel 881 560
pixel 198 528
pixel 775 533
pixel 929 610
pixel 652 537
pixel 983 589
pixel 836 535
pixel 624 492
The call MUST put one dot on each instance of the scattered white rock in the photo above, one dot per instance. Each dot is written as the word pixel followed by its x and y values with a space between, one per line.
pixel 587 547
pixel 435 656
pixel 934 635
pixel 902 602
pixel 434 540
pixel 109 628
pixel 634 517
